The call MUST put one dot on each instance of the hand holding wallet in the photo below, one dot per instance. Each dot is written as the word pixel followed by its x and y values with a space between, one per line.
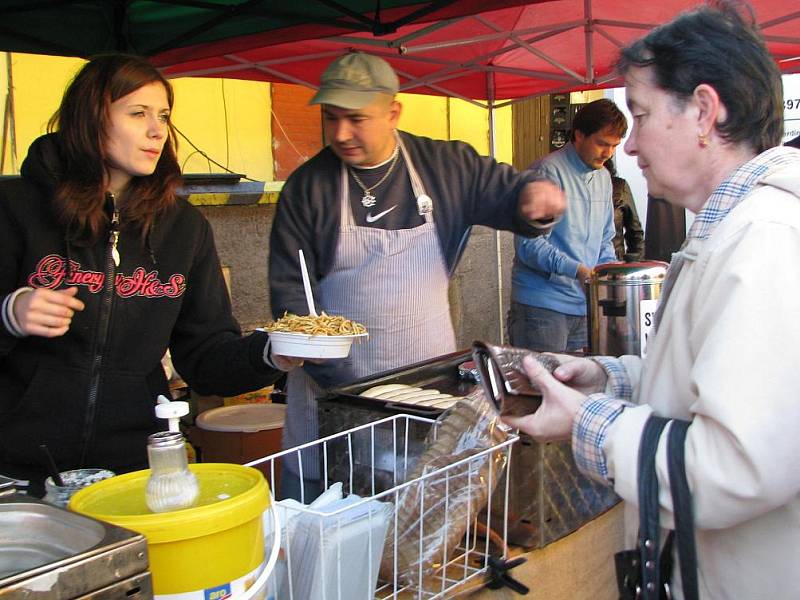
pixel 503 378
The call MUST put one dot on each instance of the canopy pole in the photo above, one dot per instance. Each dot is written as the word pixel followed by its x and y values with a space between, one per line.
pixel 5 123
pixel 589 37
pixel 497 241
pixel 9 122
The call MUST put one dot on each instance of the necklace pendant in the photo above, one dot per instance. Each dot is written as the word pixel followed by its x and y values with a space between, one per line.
pixel 367 200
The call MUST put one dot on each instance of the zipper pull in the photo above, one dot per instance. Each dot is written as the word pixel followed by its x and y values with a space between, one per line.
pixel 114 238
pixel 114 251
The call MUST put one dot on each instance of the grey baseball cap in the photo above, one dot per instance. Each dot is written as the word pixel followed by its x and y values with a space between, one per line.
pixel 355 80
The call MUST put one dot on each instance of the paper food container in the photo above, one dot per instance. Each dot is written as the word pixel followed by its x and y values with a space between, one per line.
pixel 303 345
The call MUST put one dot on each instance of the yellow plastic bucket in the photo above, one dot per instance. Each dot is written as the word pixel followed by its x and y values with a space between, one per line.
pixel 212 550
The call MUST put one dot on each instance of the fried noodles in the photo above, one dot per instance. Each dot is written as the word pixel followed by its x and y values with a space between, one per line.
pixel 322 325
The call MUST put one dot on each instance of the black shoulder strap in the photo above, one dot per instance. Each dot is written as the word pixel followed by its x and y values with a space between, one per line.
pixel 682 509
pixel 648 508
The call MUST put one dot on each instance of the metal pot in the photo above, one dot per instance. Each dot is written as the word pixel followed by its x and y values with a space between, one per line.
pixel 622 303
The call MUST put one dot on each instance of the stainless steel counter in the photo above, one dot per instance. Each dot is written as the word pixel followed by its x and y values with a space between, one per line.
pixel 49 552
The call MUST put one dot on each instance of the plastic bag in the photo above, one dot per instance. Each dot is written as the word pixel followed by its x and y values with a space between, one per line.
pixel 441 504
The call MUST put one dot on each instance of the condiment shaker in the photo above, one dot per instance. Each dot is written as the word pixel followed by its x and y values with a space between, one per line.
pixel 172 486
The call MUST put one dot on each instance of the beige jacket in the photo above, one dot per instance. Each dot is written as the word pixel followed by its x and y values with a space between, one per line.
pixel 727 355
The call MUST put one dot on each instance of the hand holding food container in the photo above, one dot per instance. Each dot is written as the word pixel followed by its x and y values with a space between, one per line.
pixel 316 335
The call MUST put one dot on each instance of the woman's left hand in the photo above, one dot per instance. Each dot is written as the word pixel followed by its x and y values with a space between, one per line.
pixel 553 420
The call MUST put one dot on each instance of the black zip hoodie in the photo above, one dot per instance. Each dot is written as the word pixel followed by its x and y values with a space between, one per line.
pixel 90 394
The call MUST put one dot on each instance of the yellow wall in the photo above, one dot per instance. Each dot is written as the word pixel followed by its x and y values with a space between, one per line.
pixel 587 96
pixel 242 141
pixel 469 123
pixel 211 111
pixel 424 115
pixel 454 119
pixel 38 83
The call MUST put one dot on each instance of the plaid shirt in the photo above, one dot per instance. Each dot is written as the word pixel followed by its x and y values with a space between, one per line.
pixel 599 411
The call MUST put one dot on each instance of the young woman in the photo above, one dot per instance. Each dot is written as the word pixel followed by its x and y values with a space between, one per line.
pixel 102 269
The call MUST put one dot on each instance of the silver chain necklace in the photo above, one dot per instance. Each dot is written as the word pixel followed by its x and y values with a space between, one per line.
pixel 368 199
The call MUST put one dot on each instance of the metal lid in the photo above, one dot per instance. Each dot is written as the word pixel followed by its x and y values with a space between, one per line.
pixel 165 439
pixel 630 273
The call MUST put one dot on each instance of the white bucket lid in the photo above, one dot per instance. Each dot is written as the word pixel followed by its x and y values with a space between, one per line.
pixel 243 417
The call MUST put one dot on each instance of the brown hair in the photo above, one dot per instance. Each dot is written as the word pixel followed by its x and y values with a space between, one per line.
pixel 82 121
pixel 598 115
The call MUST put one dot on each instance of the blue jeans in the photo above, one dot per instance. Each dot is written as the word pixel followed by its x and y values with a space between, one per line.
pixel 546 330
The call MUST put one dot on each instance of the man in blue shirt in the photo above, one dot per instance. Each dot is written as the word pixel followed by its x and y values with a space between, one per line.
pixel 548 301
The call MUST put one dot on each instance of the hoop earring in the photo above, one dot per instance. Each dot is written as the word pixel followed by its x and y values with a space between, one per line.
pixel 702 140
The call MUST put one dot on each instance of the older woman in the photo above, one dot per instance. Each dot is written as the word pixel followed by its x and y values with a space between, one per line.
pixel 725 354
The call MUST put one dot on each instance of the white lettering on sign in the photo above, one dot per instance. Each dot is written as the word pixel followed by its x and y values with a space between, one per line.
pixel 647 313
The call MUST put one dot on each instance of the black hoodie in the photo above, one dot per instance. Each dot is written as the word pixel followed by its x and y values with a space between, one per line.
pixel 90 394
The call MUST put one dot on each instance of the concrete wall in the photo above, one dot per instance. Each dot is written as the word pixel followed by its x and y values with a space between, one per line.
pixel 478 298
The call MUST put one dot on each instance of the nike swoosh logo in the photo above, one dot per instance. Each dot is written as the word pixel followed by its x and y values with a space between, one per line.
pixel 372 219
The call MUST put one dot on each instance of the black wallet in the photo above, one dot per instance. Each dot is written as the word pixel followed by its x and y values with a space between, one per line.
pixel 503 378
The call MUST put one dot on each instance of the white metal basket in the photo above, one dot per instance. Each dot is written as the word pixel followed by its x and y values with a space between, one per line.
pixel 335 552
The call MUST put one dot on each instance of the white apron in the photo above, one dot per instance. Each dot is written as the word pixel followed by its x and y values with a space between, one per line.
pixel 393 281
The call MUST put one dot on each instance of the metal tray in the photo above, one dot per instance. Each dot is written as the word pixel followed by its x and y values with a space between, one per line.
pixel 47 551
pixel 440 373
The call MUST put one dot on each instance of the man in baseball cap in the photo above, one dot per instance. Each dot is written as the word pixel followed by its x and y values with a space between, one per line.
pixel 382 217
pixel 359 109
pixel 356 80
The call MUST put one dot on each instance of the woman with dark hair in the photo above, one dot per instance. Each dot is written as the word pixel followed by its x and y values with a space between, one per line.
pixel 102 269
pixel 724 355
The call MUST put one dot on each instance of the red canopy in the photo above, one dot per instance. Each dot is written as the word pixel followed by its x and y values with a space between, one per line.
pixel 507 52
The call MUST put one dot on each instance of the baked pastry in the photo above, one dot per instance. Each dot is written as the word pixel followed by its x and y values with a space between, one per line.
pixel 407 394
pixel 378 390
